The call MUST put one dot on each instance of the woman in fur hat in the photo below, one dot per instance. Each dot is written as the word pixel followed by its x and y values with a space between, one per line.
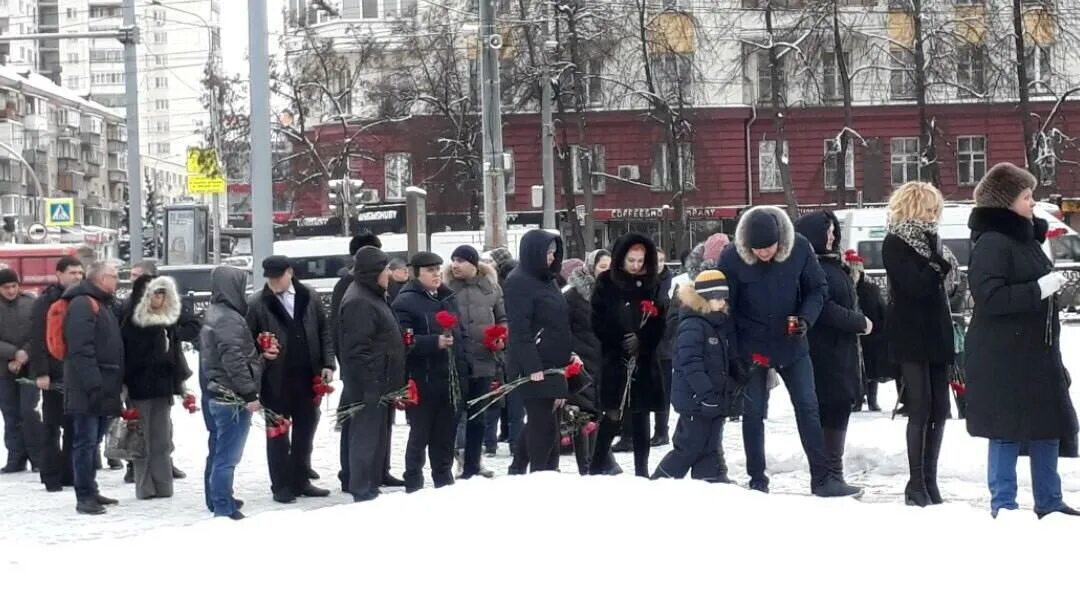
pixel 154 371
pixel 919 328
pixel 1018 388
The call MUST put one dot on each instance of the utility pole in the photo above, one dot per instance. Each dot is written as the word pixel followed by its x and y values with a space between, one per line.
pixel 134 168
pixel 215 136
pixel 491 126
pixel 262 205
pixel 548 122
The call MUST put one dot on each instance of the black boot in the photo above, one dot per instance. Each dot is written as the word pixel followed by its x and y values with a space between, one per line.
pixel 623 445
pixel 934 435
pixel 723 470
pixel 129 474
pixel 14 467
pixel 89 506
pixel 659 439
pixel 114 464
pixel 915 493
pixel 1064 510
pixel 106 501
pixel 389 481
pixel 177 473
pixel 871 396
pixel 834 451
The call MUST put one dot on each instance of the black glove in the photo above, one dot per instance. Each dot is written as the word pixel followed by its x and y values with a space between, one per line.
pixel 800 329
pixel 631 345
pixel 934 241
pixel 944 266
pixel 740 371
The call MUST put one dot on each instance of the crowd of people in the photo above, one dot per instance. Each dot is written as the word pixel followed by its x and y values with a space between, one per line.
pixel 560 353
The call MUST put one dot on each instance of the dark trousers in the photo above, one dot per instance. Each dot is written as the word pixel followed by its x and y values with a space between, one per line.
pixel 432 426
pixel 89 431
pixel 289 455
pixel 470 433
pixel 515 418
pixel 343 449
pixel 57 437
pixel 541 435
pixel 211 429
pixel 22 424
pixel 799 380
pixel 663 416
pixel 610 427
pixel 368 436
pixel 491 426
pixel 695 449
pixel 834 415
pixel 926 395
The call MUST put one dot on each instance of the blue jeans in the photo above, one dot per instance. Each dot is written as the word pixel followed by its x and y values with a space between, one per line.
pixel 211 434
pixel 799 379
pixel 89 431
pixel 1045 482
pixel 231 424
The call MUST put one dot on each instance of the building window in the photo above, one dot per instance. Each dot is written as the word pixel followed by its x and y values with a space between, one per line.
pixel 1038 63
pixel 764 77
pixel 662 180
pixel 161 37
pixel 161 126
pixel 74 58
pixel 71 82
pixel 161 82
pixel 164 148
pixel 160 60
pixel 161 104
pixel 906 161
pixel 398 174
pixel 398 8
pixel 674 74
pixel 508 172
pixel 833 85
pixel 599 183
pixel 901 73
pixel 769 178
pixel 971 70
pixel 106 56
pixel 70 13
pixel 832 150
pixel 970 160
pixel 370 10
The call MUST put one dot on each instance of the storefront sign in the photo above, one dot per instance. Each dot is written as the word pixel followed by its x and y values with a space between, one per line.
pixel 383 215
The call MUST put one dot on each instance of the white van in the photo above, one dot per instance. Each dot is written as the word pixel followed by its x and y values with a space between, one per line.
pixel 864 230
pixel 319 261
pixel 444 243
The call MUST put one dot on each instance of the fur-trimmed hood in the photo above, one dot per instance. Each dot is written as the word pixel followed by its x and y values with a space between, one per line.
pixel 581 281
pixel 143 316
pixel 787 234
pixel 1007 222
pixel 484 270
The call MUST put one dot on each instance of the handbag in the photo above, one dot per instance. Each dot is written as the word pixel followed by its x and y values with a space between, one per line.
pixel 124 441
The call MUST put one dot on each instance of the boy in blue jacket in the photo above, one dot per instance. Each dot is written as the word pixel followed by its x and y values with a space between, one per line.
pixel 703 389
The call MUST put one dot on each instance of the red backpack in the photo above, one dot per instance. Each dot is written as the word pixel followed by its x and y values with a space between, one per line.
pixel 54 327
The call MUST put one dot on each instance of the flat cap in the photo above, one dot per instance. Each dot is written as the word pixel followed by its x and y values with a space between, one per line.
pixel 275 266
pixel 425 259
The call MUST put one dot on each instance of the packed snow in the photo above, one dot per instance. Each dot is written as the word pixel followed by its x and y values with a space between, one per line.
pixel 552 538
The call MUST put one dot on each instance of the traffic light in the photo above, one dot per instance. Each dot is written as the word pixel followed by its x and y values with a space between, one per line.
pixel 9 223
pixel 347 192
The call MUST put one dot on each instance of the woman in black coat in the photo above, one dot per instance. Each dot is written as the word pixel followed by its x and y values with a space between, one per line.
pixel 540 339
pixel 578 291
pixel 154 371
pixel 919 328
pixel 1018 389
pixel 875 346
pixel 617 319
pixel 834 338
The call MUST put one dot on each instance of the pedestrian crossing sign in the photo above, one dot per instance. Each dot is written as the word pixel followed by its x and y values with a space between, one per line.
pixel 59 212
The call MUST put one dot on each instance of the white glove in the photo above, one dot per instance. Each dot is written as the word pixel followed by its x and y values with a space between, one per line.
pixel 869 327
pixel 1050 284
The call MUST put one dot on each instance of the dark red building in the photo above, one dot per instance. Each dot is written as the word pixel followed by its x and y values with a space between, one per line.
pixel 725 161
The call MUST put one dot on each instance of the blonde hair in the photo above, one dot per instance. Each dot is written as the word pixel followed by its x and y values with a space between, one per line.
pixel 916 201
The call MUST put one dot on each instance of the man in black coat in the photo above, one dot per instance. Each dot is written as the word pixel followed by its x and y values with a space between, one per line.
pixel 93 375
pixel 364 239
pixel 834 339
pixel 399 277
pixel 372 356
pixel 432 423
pixel 540 339
pixel 18 401
pixel 294 315
pixel 49 373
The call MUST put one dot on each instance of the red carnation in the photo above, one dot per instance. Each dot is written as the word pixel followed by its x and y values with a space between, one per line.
pixel 566 441
pixel 959 388
pixel 649 309
pixel 279 429
pixel 131 415
pixel 760 360
pixel 189 403
pixel 1056 232
pixel 573 369
pixel 590 427
pixel 495 385
pixel 267 340
pixel 495 338
pixel 413 392
pixel 446 320
pixel 409 338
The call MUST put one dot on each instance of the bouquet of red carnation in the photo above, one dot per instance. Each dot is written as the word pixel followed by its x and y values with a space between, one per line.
pixel 267 341
pixel 277 427
pixel 403 398
pixel 572 370
pixel 189 403
pixel 320 389
pixel 409 338
pixel 130 415
pixel 649 311
pixel 495 338
pixel 448 321
pixel 573 421
pixel 1055 233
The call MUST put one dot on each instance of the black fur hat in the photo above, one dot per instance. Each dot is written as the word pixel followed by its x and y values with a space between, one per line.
pixel 1001 185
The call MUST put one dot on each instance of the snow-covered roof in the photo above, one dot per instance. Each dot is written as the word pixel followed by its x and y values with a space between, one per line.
pixel 37 84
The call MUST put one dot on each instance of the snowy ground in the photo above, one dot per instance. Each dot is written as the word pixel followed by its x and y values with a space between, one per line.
pixel 564 538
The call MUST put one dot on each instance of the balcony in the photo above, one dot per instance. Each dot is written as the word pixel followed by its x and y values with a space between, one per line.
pixel 117 133
pixel 92 200
pixel 92 170
pixel 10 186
pixel 35 158
pixel 69 181
pixel 91 139
pixel 116 147
pixel 36 122
pixel 69 164
pixel 117 176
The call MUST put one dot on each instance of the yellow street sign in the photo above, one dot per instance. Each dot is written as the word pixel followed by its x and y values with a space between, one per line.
pixel 204 174
pixel 198 184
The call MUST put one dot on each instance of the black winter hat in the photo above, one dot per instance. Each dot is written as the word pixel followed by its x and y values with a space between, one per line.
pixel 275 266
pixel 763 231
pixel 8 275
pixel 1001 185
pixel 368 263
pixel 467 253
pixel 365 239
pixel 425 259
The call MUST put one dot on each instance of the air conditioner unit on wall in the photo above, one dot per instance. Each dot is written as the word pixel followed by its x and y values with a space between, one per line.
pixel 630 172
